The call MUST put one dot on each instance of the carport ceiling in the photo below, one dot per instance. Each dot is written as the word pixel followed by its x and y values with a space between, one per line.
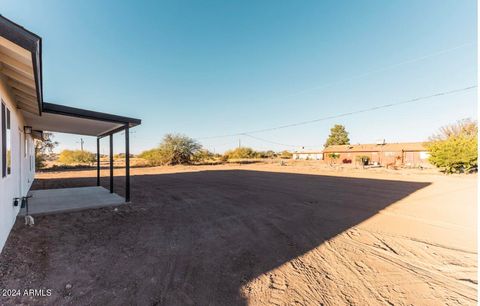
pixel 64 124
pixel 63 119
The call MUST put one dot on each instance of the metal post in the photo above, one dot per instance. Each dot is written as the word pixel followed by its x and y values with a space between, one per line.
pixel 111 163
pixel 127 164
pixel 98 161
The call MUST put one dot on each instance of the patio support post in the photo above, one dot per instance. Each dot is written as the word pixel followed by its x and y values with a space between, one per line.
pixel 127 163
pixel 111 163
pixel 98 161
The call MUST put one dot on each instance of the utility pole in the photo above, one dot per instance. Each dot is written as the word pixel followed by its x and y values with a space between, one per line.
pixel 239 142
pixel 81 144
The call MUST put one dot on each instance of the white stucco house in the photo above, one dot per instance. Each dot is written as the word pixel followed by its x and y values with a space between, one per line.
pixel 25 115
pixel 308 155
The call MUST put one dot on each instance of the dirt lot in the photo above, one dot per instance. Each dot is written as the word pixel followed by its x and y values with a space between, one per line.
pixel 261 234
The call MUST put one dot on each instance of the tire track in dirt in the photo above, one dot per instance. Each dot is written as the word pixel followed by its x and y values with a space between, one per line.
pixel 413 266
pixel 354 267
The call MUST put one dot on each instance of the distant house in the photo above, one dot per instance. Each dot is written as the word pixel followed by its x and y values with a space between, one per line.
pixel 409 154
pixel 308 155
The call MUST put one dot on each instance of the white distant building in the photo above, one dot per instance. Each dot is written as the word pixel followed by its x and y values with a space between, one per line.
pixel 308 154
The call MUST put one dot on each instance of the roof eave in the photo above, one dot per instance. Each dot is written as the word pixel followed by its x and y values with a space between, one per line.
pixel 31 42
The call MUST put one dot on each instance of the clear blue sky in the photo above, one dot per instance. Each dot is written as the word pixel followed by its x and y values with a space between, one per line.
pixel 205 68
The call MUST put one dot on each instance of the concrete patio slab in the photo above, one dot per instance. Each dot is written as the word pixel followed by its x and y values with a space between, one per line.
pixel 53 201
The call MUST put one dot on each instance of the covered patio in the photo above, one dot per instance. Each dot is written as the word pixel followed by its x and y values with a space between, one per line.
pixel 21 81
pixel 64 119
pixel 54 201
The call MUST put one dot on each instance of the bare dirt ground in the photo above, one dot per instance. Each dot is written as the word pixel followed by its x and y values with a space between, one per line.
pixel 260 234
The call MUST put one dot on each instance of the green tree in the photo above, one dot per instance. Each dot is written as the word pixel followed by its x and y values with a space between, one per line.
pixel 43 148
pixel 174 149
pixel 454 149
pixel 76 157
pixel 338 136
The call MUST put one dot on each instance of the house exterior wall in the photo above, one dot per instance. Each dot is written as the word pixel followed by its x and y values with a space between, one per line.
pixel 415 158
pixel 407 158
pixel 352 156
pixel 22 174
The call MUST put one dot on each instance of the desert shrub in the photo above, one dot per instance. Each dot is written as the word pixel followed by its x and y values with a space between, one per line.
pixel 286 155
pixel 122 155
pixel 239 153
pixel 333 157
pixel 454 149
pixel 265 154
pixel 203 155
pixel 346 161
pixel 174 149
pixel 223 158
pixel 363 159
pixel 154 157
pixel 72 157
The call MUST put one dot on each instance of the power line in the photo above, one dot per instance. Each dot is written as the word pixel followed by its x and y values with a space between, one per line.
pixel 382 69
pixel 378 70
pixel 269 141
pixel 444 93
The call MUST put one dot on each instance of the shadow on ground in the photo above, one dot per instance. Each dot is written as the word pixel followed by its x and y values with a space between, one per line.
pixel 188 238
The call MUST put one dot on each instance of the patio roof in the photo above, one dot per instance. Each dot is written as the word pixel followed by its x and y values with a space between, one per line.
pixel 65 119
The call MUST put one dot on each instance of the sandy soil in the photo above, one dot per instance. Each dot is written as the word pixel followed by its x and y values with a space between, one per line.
pixel 260 234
